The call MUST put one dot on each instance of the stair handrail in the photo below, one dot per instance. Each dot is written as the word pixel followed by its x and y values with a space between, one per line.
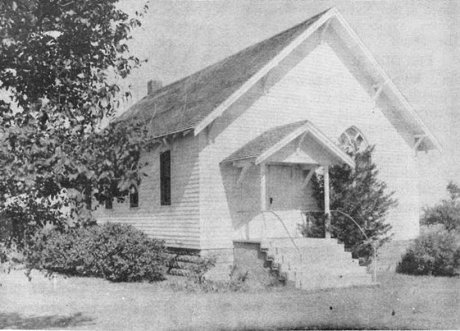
pixel 351 218
pixel 374 248
pixel 285 228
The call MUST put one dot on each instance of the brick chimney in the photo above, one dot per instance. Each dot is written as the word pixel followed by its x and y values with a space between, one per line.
pixel 153 86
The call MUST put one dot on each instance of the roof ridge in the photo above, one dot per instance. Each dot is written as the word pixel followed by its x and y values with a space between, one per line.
pixel 188 80
pixel 313 18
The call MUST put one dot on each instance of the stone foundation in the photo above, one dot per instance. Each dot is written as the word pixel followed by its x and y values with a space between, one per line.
pixel 244 259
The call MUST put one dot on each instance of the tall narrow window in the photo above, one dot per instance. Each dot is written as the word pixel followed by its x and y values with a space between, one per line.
pixel 165 177
pixel 109 203
pixel 110 193
pixel 133 197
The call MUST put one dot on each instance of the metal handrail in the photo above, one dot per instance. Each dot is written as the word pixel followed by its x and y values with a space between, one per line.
pixel 374 276
pixel 374 248
pixel 351 218
pixel 284 226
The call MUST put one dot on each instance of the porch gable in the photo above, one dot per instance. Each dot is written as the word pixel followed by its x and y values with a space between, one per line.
pixel 296 143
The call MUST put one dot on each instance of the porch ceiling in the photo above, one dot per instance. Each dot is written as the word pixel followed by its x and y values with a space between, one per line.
pixel 295 143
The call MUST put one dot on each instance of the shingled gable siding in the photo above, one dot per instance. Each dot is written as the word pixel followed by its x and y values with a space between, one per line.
pixel 178 223
pixel 321 89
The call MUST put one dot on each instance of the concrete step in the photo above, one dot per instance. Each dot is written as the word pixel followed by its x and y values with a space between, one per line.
pixel 321 256
pixel 305 265
pixel 312 251
pixel 313 256
pixel 299 242
pixel 335 268
pixel 315 263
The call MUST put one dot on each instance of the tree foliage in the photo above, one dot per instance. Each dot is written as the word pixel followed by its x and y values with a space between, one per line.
pixel 116 252
pixel 360 194
pixel 59 64
pixel 447 212
pixel 435 252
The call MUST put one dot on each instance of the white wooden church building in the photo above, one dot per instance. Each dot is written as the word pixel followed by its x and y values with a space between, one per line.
pixel 239 140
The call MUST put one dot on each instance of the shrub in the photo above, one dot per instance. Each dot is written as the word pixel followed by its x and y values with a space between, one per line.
pixel 447 212
pixel 314 225
pixel 113 251
pixel 197 282
pixel 199 269
pixel 357 194
pixel 436 252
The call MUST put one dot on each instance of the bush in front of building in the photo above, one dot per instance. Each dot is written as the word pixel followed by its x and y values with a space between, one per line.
pixel 116 252
pixel 359 203
pixel 435 252
pixel 446 212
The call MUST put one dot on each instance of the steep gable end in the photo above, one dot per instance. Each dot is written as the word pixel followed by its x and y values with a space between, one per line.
pixel 196 101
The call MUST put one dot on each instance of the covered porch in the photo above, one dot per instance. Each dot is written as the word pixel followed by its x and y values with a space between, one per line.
pixel 272 183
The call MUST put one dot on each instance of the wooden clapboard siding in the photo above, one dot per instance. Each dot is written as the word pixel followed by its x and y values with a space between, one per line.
pixel 177 224
pixel 320 88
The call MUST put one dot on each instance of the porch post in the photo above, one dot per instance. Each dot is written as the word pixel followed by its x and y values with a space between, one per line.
pixel 263 187
pixel 327 209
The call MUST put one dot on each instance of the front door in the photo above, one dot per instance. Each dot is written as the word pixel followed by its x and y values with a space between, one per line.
pixel 285 189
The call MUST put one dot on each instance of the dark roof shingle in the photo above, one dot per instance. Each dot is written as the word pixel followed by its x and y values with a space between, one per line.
pixel 183 104
pixel 260 144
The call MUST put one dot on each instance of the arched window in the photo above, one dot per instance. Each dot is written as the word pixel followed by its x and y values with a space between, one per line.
pixel 352 140
pixel 133 196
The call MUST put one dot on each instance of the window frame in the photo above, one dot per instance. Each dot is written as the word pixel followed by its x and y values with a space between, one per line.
pixel 133 203
pixel 165 178
pixel 108 203
pixel 351 135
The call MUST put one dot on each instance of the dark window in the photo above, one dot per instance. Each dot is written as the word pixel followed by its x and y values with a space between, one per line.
pixel 111 193
pixel 109 203
pixel 133 196
pixel 165 177
pixel 88 197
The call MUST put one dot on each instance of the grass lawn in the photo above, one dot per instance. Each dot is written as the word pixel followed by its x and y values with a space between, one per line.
pixel 400 302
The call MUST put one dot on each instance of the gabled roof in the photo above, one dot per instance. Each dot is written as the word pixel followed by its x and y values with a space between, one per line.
pixel 197 100
pixel 273 140
pixel 184 104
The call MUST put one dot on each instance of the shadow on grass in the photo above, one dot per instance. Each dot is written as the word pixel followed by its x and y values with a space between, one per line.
pixel 18 321
pixel 333 327
pixel 310 327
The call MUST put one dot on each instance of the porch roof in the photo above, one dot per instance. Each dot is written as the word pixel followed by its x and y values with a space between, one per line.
pixel 273 140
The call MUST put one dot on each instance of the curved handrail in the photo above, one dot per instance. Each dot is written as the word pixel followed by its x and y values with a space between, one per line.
pixel 374 248
pixel 351 218
pixel 284 226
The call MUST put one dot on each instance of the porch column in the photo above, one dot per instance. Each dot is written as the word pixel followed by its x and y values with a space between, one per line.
pixel 327 209
pixel 263 187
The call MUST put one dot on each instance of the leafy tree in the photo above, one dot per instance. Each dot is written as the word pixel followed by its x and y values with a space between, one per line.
pixel 435 252
pixel 59 63
pixel 360 195
pixel 447 212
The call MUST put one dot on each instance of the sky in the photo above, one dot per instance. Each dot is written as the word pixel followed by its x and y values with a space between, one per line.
pixel 417 42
